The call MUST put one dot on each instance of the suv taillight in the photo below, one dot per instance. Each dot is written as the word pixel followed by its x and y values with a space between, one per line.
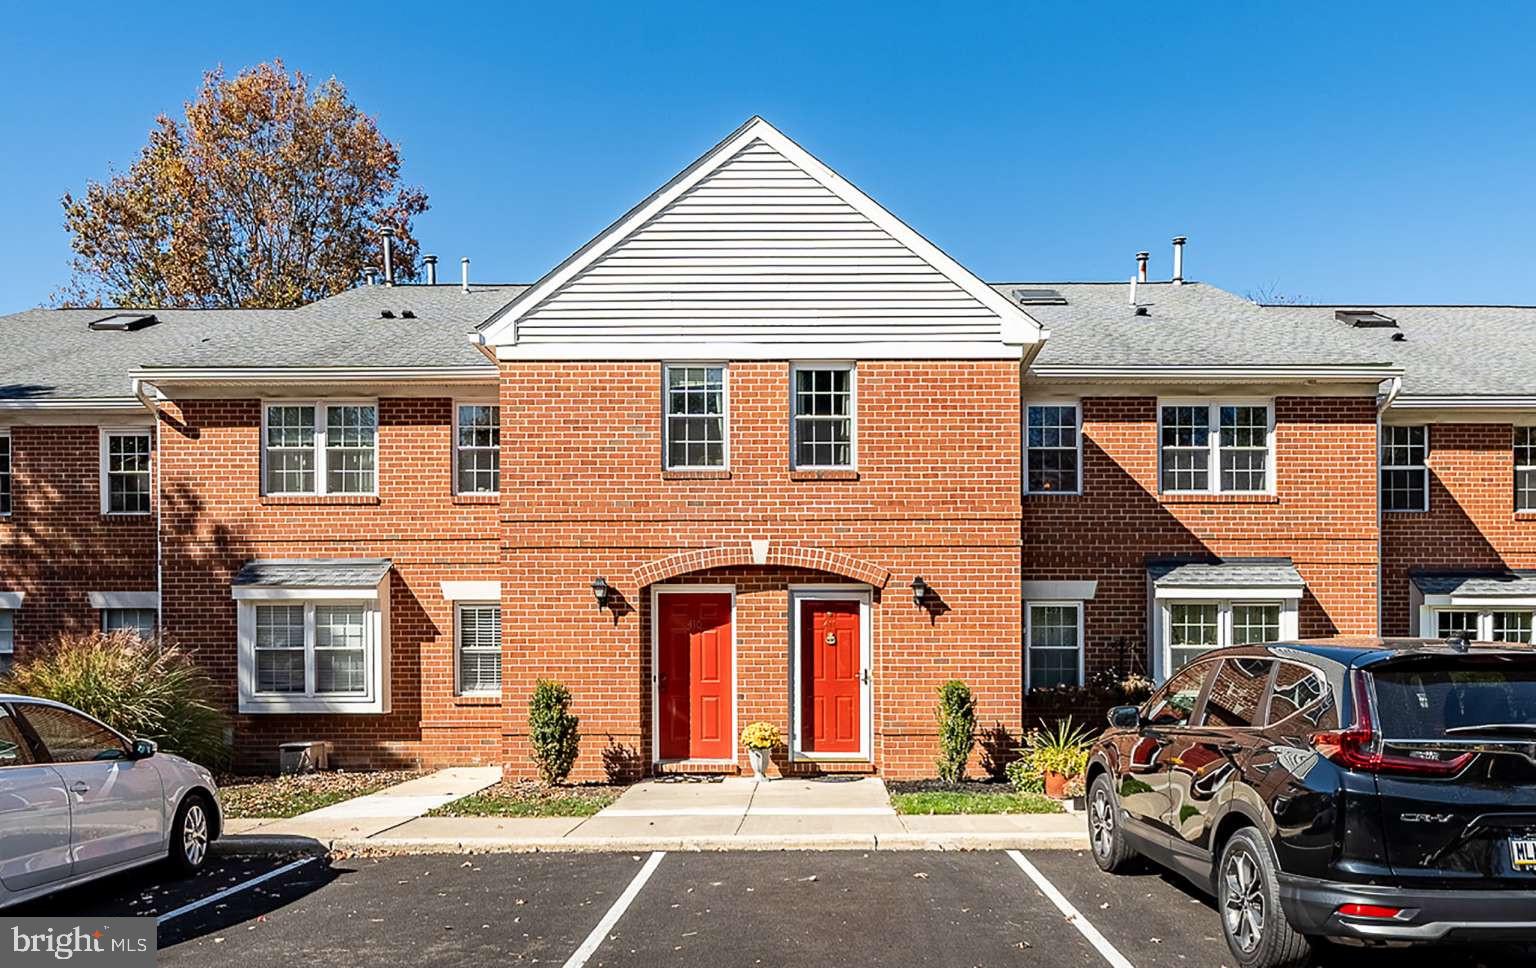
pixel 1359 748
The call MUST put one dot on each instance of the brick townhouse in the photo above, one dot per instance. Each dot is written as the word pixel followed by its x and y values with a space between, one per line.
pixel 757 451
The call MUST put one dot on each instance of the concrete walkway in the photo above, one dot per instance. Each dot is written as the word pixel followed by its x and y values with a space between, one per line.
pixel 375 813
pixel 733 814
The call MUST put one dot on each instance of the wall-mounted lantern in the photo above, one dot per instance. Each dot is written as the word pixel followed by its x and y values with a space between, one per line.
pixel 919 591
pixel 600 591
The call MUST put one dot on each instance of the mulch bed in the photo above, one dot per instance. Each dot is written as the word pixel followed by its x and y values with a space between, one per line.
pixel 525 798
pixel 939 786
pixel 288 796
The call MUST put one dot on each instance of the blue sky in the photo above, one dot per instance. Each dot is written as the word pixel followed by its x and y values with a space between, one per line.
pixel 1335 152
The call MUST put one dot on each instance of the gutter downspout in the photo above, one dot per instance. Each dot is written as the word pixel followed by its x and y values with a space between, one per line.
pixel 1383 403
pixel 146 395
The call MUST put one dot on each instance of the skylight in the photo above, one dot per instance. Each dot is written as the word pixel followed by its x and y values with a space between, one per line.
pixel 124 322
pixel 1039 297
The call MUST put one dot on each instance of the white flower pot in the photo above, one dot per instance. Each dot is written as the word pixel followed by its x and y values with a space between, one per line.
pixel 759 763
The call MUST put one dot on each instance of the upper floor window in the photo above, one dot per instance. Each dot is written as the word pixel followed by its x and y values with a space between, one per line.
pixel 320 448
pixel 5 471
pixel 125 481
pixel 477 448
pixel 1404 469
pixel 1525 468
pixel 696 422
pixel 1218 448
pixel 824 416
pixel 139 620
pixel 1053 449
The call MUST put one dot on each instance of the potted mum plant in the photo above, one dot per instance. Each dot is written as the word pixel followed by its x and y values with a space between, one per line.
pixel 1059 753
pixel 760 738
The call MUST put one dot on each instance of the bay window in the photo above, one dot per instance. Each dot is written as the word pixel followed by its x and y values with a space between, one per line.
pixel 1187 627
pixel 320 448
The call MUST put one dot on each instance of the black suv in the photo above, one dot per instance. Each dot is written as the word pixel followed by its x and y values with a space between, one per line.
pixel 1370 790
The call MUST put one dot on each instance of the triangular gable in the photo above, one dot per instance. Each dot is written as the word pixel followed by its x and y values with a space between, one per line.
pixel 759 250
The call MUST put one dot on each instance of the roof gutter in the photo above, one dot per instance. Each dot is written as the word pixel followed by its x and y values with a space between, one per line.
pixel 1235 374
pixel 1394 387
pixel 74 403
pixel 326 374
pixel 1450 402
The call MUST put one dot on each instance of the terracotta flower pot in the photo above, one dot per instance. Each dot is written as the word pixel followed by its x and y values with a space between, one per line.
pixel 1055 785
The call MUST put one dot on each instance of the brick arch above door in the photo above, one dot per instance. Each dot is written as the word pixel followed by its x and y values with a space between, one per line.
pixel 762 553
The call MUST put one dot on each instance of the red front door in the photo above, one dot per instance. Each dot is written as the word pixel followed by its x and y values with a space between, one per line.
pixel 831 677
pixel 694 687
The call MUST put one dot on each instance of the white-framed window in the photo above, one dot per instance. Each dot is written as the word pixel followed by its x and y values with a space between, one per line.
pixel 7 631
pixel 1190 627
pixel 477 448
pixel 1053 638
pixel 1053 448
pixel 5 471
pixel 313 649
pixel 1508 623
pixel 328 447
pixel 477 653
pixel 696 416
pixel 125 477
pixel 1220 447
pixel 1525 468
pixel 140 620
pixel 1404 468
pixel 824 416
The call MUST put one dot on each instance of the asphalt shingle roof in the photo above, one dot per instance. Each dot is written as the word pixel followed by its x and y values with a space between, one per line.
pixel 1489 584
pixel 1229 573
pixel 314 573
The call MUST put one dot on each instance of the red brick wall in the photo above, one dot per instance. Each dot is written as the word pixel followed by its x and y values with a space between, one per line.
pixel 1323 516
pixel 1471 522
pixel 215 520
pixel 936 494
pixel 56 546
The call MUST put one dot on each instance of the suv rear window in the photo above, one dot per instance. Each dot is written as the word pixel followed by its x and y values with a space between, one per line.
pixel 1424 698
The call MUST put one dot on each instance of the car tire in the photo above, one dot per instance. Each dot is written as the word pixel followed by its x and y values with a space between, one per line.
pixel 191 834
pixel 1248 902
pixel 1106 838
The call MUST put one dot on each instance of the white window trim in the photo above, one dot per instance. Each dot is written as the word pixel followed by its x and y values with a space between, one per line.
pixel 5 435
pixel 104 458
pixel 1429 612
pixel 725 417
pixel 458 651
pixel 656 592
pixel 476 592
pixel 1077 416
pixel 1383 467
pixel 853 416
pixel 10 646
pixel 127 608
pixel 1515 476
pixel 1029 635
pixel 321 419
pixel 804 593
pixel 1287 597
pixel 457 449
pixel 375 697
pixel 1213 423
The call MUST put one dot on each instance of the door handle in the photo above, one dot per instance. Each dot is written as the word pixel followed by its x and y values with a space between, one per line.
pixel 864 676
pixel 80 788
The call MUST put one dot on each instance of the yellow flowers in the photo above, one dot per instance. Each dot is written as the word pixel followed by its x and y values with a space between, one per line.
pixel 761 736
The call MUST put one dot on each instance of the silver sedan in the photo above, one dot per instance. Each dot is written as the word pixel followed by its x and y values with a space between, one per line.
pixel 78 801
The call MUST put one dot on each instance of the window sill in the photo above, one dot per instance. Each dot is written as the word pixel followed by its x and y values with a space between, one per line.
pixel 703 474
pixel 302 499
pixel 492 499
pixel 486 699
pixel 1525 515
pixel 265 705
pixel 1051 494
pixel 125 517
pixel 829 474
pixel 1218 498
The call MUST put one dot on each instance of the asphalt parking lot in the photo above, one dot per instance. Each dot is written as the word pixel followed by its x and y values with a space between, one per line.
pixel 687 909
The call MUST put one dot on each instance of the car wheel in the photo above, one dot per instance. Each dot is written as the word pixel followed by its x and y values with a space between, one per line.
pixel 1248 899
pixel 191 835
pixel 1111 851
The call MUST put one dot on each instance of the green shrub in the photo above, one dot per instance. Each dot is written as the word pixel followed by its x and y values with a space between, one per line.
pixel 144 689
pixel 1023 776
pixel 957 729
pixel 1061 748
pixel 553 731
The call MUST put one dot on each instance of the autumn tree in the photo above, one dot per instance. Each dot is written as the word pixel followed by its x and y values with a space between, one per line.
pixel 268 194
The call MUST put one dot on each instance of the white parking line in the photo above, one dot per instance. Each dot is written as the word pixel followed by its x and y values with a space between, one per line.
pixel 1073 916
pixel 599 933
pixel 232 890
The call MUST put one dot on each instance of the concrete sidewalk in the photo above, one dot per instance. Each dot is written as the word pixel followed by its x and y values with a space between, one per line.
pixel 373 814
pixel 732 814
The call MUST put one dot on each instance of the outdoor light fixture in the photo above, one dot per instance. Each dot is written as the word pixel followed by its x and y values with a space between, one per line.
pixel 600 592
pixel 919 591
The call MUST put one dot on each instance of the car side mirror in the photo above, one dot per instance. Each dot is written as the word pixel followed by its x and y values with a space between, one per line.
pixel 142 749
pixel 1125 717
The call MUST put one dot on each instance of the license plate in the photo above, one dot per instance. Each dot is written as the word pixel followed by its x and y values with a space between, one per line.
pixel 1522 853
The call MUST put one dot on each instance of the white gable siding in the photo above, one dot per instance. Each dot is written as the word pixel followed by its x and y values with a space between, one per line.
pixel 758 251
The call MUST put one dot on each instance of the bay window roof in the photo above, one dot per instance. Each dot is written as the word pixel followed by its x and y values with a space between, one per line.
pixel 1480 584
pixel 312 573
pixel 1275 577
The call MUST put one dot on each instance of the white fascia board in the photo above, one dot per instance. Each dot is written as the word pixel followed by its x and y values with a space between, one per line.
pixel 124 599
pixel 894 350
pixel 317 374
pixel 268 593
pixel 1244 593
pixel 1217 374
pixel 12 600
pixel 1018 328
pixel 74 403
pixel 472 591
pixel 1480 601
pixel 1412 402
pixel 1059 591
